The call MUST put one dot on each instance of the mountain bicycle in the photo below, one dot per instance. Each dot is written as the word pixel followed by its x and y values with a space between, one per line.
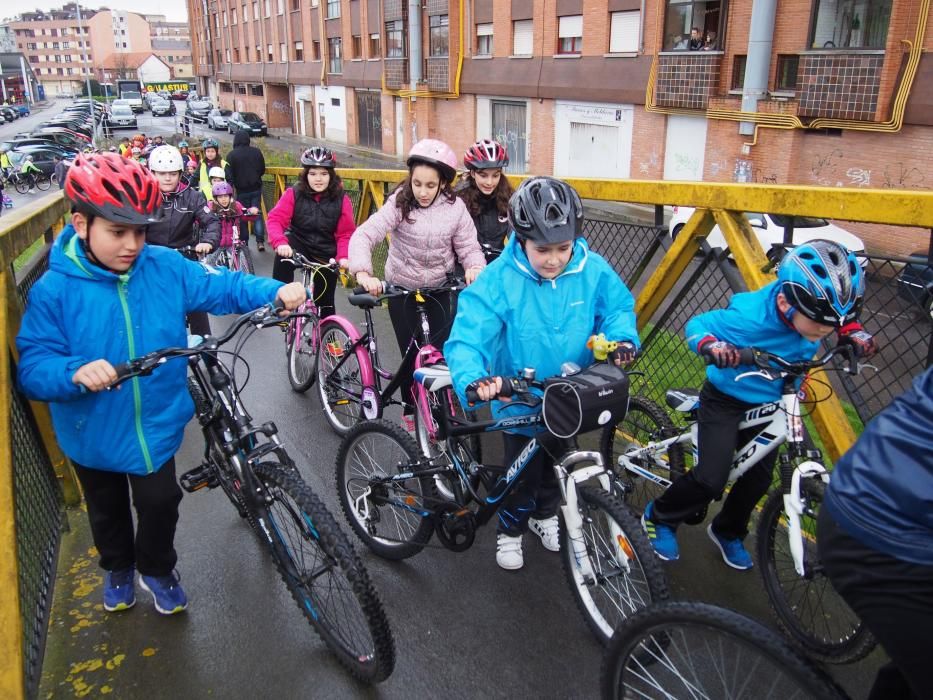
pixel 23 182
pixel 303 334
pixel 350 374
pixel 696 650
pixel 236 256
pixel 387 489
pixel 249 463
pixel 647 453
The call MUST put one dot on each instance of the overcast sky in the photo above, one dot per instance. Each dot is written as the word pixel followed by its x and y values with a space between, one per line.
pixel 174 10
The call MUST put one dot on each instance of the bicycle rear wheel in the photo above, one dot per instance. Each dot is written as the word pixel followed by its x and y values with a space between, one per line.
pixel 339 383
pixel 807 608
pixel 325 576
pixel 624 575
pixel 429 403
pixel 644 422
pixel 245 260
pixel 389 516
pixel 20 185
pixel 302 355
pixel 695 650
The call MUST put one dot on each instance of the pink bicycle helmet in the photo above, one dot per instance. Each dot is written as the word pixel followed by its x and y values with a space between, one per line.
pixel 485 155
pixel 435 153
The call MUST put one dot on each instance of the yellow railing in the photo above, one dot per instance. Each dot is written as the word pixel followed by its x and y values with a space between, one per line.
pixel 720 204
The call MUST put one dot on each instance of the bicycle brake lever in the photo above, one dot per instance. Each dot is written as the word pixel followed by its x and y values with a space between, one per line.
pixel 859 366
pixel 770 375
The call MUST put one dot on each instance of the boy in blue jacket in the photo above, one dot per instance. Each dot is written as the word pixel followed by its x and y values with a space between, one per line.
pixel 107 298
pixel 536 306
pixel 819 289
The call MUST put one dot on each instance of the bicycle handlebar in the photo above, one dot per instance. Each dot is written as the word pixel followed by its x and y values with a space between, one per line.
pixel 360 297
pixel 511 386
pixel 299 260
pixel 768 362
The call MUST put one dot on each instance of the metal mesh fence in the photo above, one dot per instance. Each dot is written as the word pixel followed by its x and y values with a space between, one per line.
pixel 38 513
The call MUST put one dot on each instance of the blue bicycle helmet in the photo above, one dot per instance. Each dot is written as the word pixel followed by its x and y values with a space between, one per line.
pixel 210 143
pixel 824 282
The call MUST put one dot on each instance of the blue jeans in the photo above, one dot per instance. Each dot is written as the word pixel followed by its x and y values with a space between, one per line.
pixel 254 199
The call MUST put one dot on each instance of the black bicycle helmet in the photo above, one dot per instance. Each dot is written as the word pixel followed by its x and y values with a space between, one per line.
pixel 546 210
pixel 318 157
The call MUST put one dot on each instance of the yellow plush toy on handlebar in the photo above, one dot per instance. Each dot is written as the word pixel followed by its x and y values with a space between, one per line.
pixel 600 346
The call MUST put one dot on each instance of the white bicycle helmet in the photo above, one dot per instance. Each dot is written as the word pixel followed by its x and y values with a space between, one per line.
pixel 165 159
pixel 217 171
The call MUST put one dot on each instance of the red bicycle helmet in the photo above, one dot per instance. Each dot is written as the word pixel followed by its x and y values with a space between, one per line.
pixel 318 157
pixel 485 155
pixel 114 188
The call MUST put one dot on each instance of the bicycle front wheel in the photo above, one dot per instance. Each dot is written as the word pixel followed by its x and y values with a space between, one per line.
pixel 389 516
pixel 21 186
pixel 644 422
pixel 43 182
pixel 339 382
pixel 612 569
pixel 695 650
pixel 302 355
pixel 807 607
pixel 244 260
pixel 325 576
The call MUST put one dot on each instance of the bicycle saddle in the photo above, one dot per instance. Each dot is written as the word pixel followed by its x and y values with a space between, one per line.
pixel 683 400
pixel 433 378
pixel 364 301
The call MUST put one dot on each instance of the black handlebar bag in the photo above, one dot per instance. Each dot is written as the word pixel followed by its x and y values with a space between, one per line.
pixel 585 401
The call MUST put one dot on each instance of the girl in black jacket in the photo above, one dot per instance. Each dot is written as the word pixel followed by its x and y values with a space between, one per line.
pixel 486 193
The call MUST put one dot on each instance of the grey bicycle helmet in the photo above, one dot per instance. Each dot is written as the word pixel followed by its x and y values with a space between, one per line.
pixel 318 157
pixel 546 210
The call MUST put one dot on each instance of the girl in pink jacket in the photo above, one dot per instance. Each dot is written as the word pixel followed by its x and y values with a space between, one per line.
pixel 430 228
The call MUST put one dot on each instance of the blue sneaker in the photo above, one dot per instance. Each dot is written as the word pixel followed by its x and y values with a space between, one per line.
pixel 119 590
pixel 733 551
pixel 167 594
pixel 662 537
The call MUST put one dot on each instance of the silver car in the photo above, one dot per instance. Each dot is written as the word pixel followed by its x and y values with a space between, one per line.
pixel 217 119
pixel 122 117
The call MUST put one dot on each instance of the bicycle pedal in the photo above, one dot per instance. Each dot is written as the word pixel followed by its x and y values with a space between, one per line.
pixel 202 476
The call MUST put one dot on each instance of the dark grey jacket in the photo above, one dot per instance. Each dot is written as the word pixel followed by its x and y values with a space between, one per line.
pixel 180 211
pixel 246 164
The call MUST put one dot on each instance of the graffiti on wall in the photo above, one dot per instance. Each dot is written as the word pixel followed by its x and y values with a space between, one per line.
pixel 833 169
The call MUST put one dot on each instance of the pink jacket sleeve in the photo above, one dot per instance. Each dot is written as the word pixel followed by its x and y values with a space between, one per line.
pixel 241 212
pixel 465 240
pixel 280 218
pixel 345 228
pixel 370 233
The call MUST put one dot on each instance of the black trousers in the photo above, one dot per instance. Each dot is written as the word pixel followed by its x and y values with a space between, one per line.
pixel 894 598
pixel 405 321
pixel 535 494
pixel 325 282
pixel 718 436
pixel 155 497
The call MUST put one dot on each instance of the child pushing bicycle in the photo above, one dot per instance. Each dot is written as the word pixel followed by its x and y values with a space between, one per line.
pixel 106 298
pixel 819 289
pixel 536 306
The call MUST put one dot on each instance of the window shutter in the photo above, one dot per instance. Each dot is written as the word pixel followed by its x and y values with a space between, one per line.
pixel 570 26
pixel 523 39
pixel 484 29
pixel 623 34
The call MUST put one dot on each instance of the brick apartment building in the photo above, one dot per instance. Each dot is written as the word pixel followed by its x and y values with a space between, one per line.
pixel 63 51
pixel 594 88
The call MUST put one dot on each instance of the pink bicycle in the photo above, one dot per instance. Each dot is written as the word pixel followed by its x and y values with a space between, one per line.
pixel 235 257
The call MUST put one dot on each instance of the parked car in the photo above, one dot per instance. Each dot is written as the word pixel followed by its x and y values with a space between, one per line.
pixel 121 117
pixel 217 119
pixel 44 147
pixel 247 121
pixel 162 108
pixel 915 283
pixel 62 139
pixel 10 113
pixel 19 144
pixel 180 95
pixel 769 228
pixel 76 135
pixel 2 118
pixel 22 109
pixel 198 109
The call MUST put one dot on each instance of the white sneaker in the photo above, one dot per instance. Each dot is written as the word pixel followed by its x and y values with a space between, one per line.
pixel 509 552
pixel 547 530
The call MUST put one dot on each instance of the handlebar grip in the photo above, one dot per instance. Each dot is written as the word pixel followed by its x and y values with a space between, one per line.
pixel 471 396
pixel 359 289
pixel 123 370
pixel 748 356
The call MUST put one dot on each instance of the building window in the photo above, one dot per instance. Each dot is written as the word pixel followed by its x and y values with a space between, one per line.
pixel 738 72
pixel 333 9
pixel 375 50
pixel 233 16
pixel 623 31
pixel 523 37
pixel 315 50
pixel 217 54
pixel 256 9
pixel 226 87
pixel 255 90
pixel 283 54
pixel 694 25
pixel 227 55
pixel 225 18
pixel 484 39
pixel 280 6
pixel 244 15
pixel 439 26
pixel 236 56
pixel 299 51
pixel 357 46
pixel 335 53
pixel 240 89
pixel 269 53
pixel 787 71
pixel 395 39
pixel 570 35
pixel 296 5
pixel 265 8
pixel 852 24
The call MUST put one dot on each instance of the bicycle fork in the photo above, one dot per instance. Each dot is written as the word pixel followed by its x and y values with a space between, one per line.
pixel 793 509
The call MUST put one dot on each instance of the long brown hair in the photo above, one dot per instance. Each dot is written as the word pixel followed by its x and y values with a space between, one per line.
pixel 405 196
pixel 334 185
pixel 471 195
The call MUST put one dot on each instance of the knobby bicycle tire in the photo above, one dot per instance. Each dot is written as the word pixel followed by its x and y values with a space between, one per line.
pixel 393 527
pixel 340 388
pixel 644 422
pixel 695 650
pixel 302 355
pixel 807 609
pixel 333 591
pixel 613 593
